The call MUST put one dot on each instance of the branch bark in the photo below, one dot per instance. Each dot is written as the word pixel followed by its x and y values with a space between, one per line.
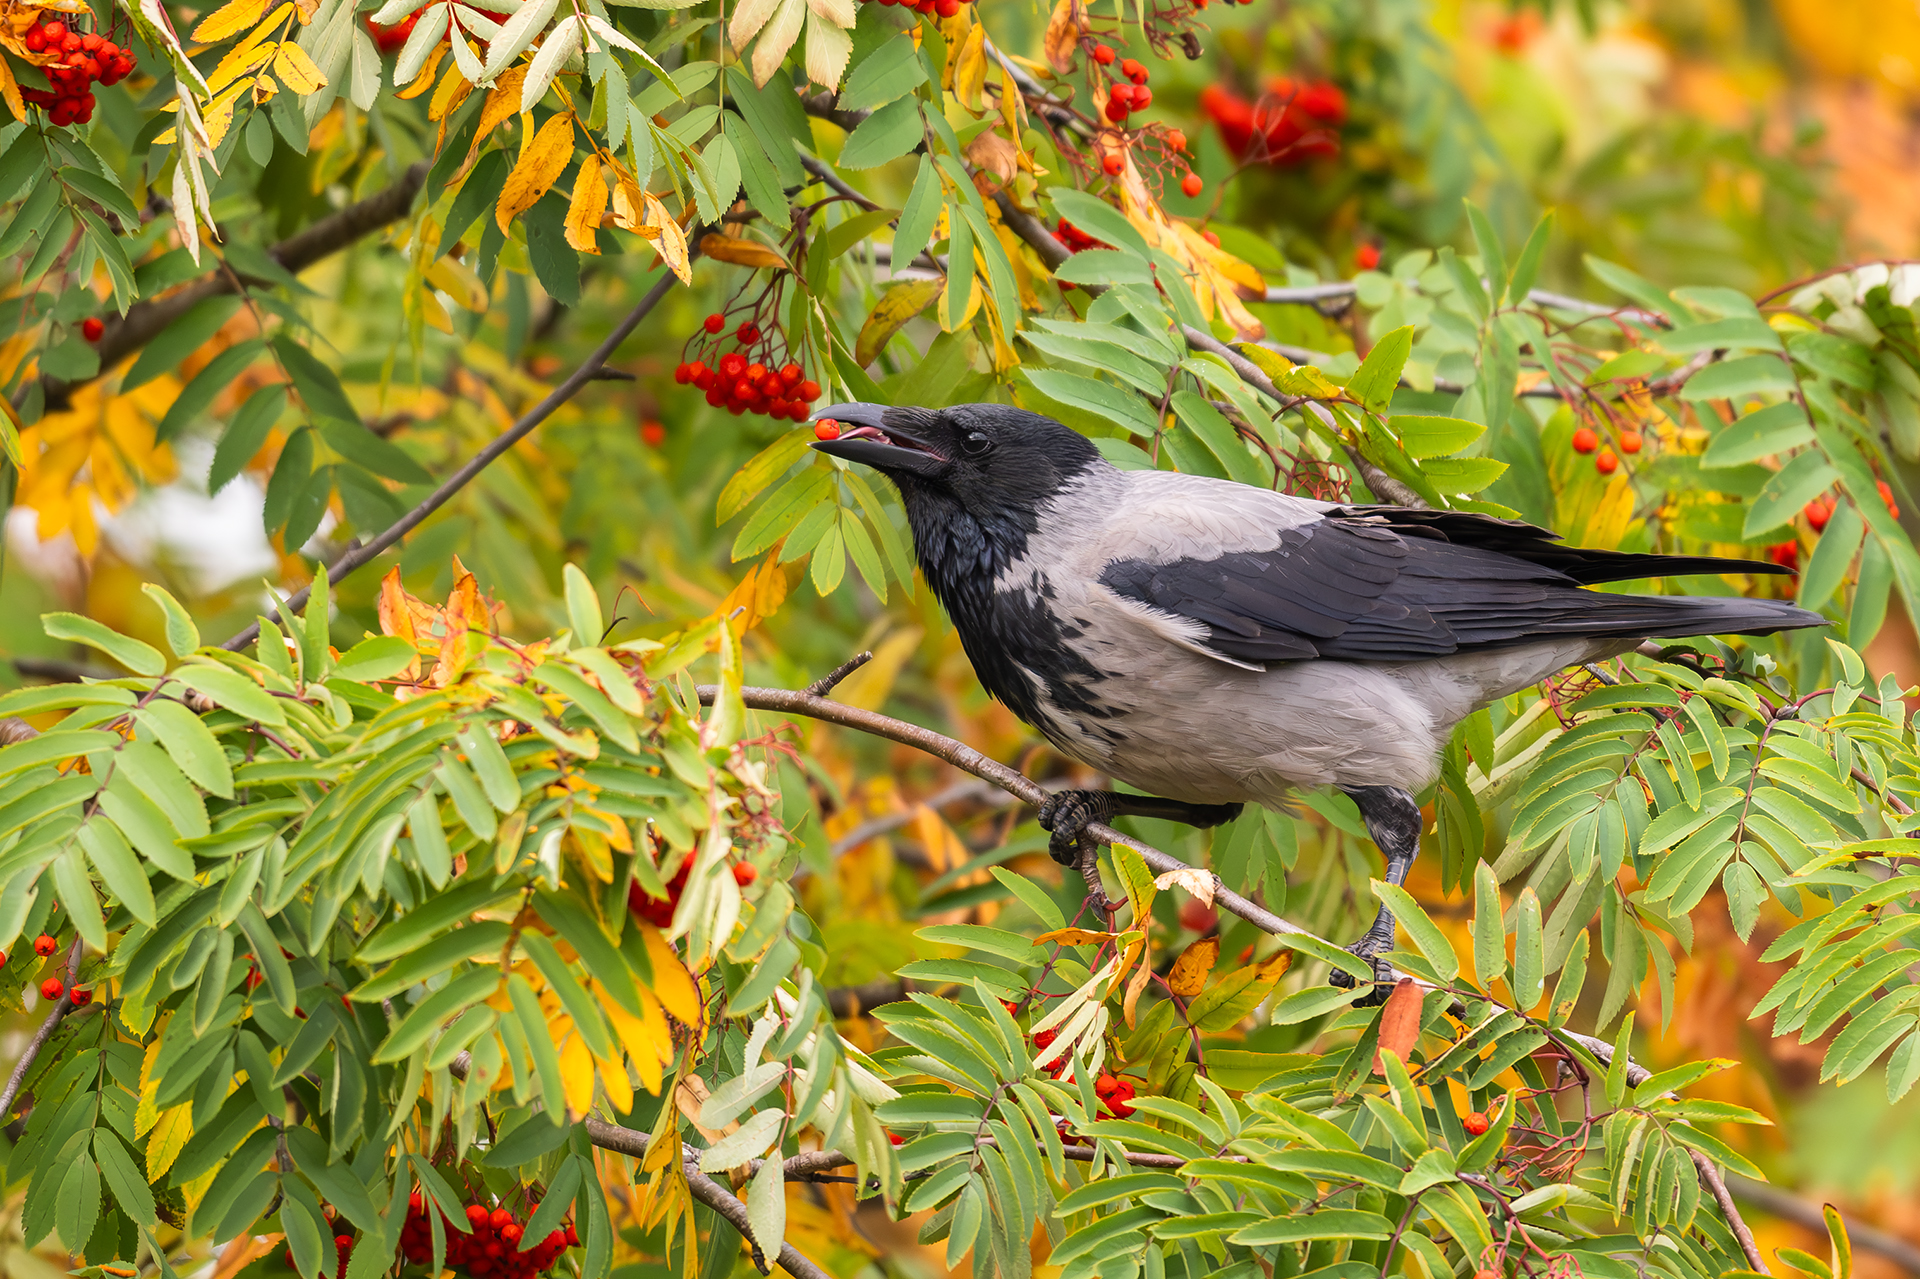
pixel 533 417
pixel 626 1141
pixel 61 1008
pixel 145 321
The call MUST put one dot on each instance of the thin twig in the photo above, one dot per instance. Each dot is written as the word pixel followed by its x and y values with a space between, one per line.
pixel 61 1008
pixel 826 683
pixel 539 413
pixel 626 1141
pixel 1717 1186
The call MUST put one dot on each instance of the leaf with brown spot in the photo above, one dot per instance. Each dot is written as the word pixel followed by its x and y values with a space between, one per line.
pixel 890 314
pixel 1399 1023
pixel 992 153
pixel 1189 975
pixel 538 168
pixel 1062 43
pixel 296 70
pixel 671 242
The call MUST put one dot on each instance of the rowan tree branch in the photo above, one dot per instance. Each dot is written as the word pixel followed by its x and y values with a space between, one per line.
pixel 626 1141
pixel 533 417
pixel 61 1007
pixel 145 321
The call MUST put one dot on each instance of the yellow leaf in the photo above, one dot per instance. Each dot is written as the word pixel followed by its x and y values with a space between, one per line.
pixel 1075 937
pixel 740 251
pixel 424 81
pixel 576 1070
pixel 430 310
pixel 540 164
pixel 1139 980
pixel 502 104
pixel 671 244
pixel 11 92
pixel 890 314
pixel 1190 971
pixel 170 1135
pixel 671 981
pixel 970 72
pixel 614 1082
pixel 145 1112
pixel 588 203
pixel 457 280
pixel 296 70
pixel 648 1039
pixel 229 19
pixel 629 209
pixel 453 90
pixel 237 64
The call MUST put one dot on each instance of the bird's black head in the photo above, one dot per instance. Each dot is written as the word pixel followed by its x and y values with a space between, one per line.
pixel 992 461
pixel 974 479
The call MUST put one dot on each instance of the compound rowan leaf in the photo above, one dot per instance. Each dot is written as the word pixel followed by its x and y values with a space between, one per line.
pixel 537 169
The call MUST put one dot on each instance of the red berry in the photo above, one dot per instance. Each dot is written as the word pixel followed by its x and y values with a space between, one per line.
pixel 1631 441
pixel 35 39
pixel 1103 54
pixel 1607 463
pixel 809 390
pixel 55 32
pixel 500 1218
pixel 683 373
pixel 1210 238
pixel 1785 554
pixel 946 8
pixel 573 1239
pixel 43 945
pixel 477 1215
pixel 826 429
pixel 1122 93
pixel 1176 139
pixel 82 997
pixel 748 332
pixel 1191 185
pixel 744 873
pixel 715 322
pixel 1818 512
pixel 3 959
pixel 1367 257
pixel 653 434
pixel 792 374
pixel 52 988
pixel 91 328
pixel 896 1139
pixel 1133 71
pixel 1585 440
pixel 1113 162
pixel 1476 1123
pixel 756 373
pixel 732 365
pixel 1142 98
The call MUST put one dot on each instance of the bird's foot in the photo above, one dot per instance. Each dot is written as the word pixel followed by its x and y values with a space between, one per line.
pixel 1368 948
pixel 1066 815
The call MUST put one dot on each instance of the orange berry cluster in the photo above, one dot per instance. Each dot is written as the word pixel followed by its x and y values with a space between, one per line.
pixel 742 384
pixel 929 8
pixel 79 60
pixel 490 1249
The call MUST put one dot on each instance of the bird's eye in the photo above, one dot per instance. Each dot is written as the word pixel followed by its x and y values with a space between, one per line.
pixel 976 444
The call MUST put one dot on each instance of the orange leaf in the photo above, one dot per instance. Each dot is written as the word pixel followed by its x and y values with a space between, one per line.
pixel 1399 1023
pixel 1075 937
pixel 1138 982
pixel 588 203
pixel 1190 971
pixel 576 1071
pixel 740 251
pixel 1063 37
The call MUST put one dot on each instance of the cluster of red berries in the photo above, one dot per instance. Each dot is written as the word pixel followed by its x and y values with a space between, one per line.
pixel 79 60
pixel 491 1248
pixel 1291 124
pixel 1587 440
pixel 388 39
pixel 1075 239
pixel 929 8
pixel 743 384
pixel 1124 99
pixel 1115 1093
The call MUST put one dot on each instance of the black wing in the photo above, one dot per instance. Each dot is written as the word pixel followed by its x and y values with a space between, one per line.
pixel 1387 584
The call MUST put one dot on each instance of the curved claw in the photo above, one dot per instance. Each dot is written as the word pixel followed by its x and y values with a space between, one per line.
pixel 1066 815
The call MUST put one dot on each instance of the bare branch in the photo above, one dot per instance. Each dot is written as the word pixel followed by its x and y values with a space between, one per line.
pixel 533 417
pixel 826 683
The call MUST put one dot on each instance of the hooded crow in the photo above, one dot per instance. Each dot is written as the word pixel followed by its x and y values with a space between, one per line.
pixel 1216 644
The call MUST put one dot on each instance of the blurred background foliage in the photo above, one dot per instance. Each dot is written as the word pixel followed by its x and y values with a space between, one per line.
pixel 1749 143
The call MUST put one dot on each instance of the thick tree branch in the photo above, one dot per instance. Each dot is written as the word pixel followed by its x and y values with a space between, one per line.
pixel 533 417
pixel 626 1141
pixel 145 321
pixel 61 1008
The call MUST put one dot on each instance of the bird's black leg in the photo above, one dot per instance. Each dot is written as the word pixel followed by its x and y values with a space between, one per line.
pixel 1393 819
pixel 1068 813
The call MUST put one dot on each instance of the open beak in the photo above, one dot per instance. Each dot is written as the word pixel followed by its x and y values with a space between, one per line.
pixel 866 437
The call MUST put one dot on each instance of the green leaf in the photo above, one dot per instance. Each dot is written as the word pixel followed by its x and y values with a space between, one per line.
pixel 130 1189
pixel 1326 1223
pixel 246 434
pixel 890 71
pixel 180 338
pixel 1529 952
pixel 141 659
pixel 1424 437
pixel 1374 382
pixel 995 941
pixel 490 765
pixel 482 939
pixel 317 384
pixel 887 134
pixel 191 744
pixel 1737 379
pixel 219 373
pixel 1493 258
pixel 375 658
pixel 1802 479
pixel 1426 935
pixel 119 869
pixel 182 635
pixel 230 689
pixel 1489 928
pixel 583 606
pixel 1527 268
pixel 365 449
pixel 921 213
pixel 426 1017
